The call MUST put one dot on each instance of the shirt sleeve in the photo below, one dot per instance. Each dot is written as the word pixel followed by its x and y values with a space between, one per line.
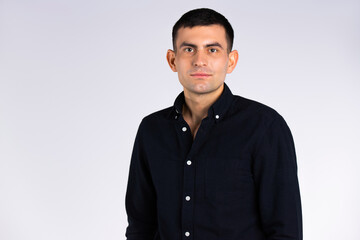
pixel 275 175
pixel 140 200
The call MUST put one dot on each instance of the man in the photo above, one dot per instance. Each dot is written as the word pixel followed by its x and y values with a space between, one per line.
pixel 214 165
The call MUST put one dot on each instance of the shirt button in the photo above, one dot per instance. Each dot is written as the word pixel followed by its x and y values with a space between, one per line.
pixel 217 116
pixel 176 117
pixel 188 162
pixel 187 198
pixel 184 129
pixel 187 234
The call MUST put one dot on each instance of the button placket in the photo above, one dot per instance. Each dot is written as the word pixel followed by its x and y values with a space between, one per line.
pixel 188 203
pixel 187 213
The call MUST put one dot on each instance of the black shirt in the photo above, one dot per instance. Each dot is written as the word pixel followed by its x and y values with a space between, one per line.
pixel 237 180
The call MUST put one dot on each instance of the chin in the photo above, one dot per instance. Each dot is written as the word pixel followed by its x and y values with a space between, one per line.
pixel 206 88
pixel 201 86
pixel 203 90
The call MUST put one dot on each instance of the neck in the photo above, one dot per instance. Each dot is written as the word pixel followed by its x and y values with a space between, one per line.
pixel 197 106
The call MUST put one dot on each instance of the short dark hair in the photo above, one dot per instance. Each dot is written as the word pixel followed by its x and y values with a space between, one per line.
pixel 203 17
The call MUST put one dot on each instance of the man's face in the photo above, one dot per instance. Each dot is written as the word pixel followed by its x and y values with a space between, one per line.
pixel 201 58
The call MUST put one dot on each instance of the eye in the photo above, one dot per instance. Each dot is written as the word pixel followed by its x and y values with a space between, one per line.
pixel 189 50
pixel 213 50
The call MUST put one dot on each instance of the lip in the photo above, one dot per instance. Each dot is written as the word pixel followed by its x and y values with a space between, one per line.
pixel 200 75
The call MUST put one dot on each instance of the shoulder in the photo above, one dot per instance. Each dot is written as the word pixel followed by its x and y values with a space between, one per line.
pixel 255 111
pixel 157 118
pixel 265 121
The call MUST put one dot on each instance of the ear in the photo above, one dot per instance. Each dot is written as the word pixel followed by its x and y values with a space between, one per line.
pixel 170 57
pixel 233 59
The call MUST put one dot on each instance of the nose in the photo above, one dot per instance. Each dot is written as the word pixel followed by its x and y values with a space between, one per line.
pixel 200 59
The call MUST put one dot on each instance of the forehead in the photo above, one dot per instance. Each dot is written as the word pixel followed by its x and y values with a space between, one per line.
pixel 201 35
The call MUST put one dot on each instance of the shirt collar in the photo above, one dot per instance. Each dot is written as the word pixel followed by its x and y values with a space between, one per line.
pixel 217 110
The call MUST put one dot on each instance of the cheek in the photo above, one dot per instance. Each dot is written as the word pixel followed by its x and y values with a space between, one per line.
pixel 222 66
pixel 181 67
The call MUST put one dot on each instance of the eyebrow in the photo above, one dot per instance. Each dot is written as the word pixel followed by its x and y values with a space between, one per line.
pixel 214 44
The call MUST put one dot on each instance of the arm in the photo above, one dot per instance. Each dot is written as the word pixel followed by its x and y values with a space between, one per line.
pixel 275 171
pixel 140 198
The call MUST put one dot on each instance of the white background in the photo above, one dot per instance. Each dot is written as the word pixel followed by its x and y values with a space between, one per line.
pixel 76 78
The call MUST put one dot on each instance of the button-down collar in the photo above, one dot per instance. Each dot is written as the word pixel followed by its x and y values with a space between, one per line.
pixel 217 110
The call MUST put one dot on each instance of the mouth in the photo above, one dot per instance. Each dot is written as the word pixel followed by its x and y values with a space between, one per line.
pixel 200 75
